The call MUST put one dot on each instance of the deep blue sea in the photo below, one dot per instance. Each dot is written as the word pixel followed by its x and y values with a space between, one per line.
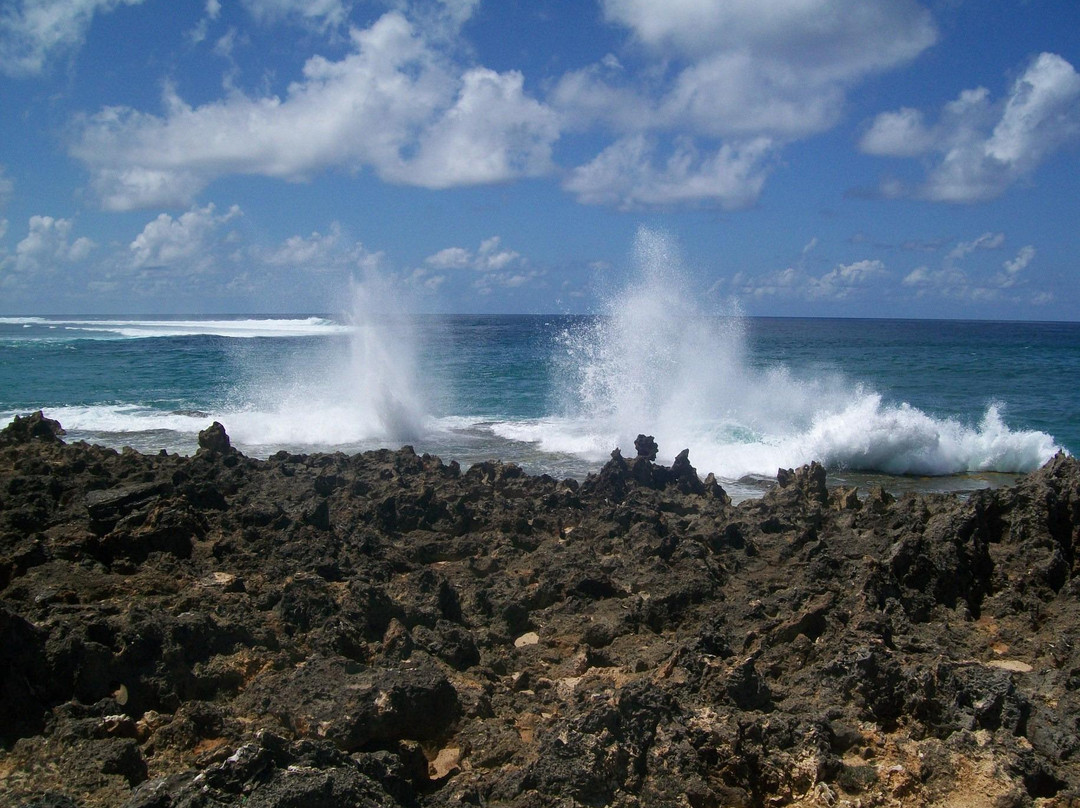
pixel 941 405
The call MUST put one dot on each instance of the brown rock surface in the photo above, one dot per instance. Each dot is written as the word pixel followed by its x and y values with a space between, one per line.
pixel 327 630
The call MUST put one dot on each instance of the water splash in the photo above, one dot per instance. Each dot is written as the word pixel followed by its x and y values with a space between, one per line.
pixel 656 362
pixel 359 392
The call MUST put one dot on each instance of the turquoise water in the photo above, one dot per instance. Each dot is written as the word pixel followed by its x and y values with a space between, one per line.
pixel 938 404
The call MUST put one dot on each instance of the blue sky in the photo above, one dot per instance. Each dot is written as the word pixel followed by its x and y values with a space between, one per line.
pixel 809 157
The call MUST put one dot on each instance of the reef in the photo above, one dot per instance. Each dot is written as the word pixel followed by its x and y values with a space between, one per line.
pixel 387 629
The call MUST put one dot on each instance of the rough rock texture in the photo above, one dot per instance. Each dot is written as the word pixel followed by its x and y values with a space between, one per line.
pixel 385 630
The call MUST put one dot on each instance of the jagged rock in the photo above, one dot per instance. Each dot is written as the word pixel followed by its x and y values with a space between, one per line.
pixel 645 446
pixel 35 426
pixel 810 481
pixel 214 440
pixel 385 630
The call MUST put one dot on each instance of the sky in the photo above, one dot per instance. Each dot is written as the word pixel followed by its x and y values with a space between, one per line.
pixel 834 158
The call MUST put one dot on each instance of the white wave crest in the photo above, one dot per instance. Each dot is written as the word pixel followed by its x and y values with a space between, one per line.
pixel 266 327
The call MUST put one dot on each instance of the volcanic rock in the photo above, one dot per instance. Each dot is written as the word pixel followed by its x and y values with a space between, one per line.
pixel 384 630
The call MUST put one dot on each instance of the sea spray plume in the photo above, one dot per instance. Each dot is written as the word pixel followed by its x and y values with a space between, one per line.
pixel 654 361
pixel 383 369
pixel 355 390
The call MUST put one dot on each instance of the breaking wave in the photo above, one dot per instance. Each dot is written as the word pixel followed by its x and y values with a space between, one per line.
pixel 655 362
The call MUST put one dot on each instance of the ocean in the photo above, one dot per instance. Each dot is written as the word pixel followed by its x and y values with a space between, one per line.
pixel 928 404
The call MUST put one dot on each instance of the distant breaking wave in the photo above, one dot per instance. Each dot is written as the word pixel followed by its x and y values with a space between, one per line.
pixel 266 327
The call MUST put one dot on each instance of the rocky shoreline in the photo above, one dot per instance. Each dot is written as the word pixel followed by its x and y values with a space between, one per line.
pixel 389 630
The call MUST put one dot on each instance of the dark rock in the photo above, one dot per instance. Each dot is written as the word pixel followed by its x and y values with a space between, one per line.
pixel 385 630
pixel 645 446
pixel 24 671
pixel 214 441
pixel 35 426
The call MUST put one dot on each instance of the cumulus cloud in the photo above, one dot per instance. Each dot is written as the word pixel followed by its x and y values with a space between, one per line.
pixel 318 253
pixel 955 282
pixel 627 174
pixel 987 241
pixel 491 266
pixel 1010 270
pixel 393 104
pixel 32 32
pixel 492 133
pixel 450 258
pixel 898 134
pixel 185 240
pixel 774 70
pixel 1020 262
pixel 489 257
pixel 977 148
pixel 840 283
pixel 47 247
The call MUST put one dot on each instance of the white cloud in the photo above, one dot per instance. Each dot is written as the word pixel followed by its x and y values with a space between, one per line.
pixel 450 258
pixel 777 67
pixel 47 247
pixel 953 282
pixel 441 19
pixel 314 250
pixel 834 36
pixel 318 252
pixel 34 31
pixel 858 273
pixel 1019 264
pixel 393 104
pixel 1010 270
pixel 987 241
pixel 625 174
pixel 459 10
pixel 898 134
pixel 491 266
pixel 223 47
pixel 980 149
pixel 183 241
pixel 493 132
pixel 743 72
pixel 492 258
pixel 213 11
pixel 489 257
pixel 841 282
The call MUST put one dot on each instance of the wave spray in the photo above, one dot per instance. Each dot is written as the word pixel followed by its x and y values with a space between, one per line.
pixel 656 362
pixel 357 391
